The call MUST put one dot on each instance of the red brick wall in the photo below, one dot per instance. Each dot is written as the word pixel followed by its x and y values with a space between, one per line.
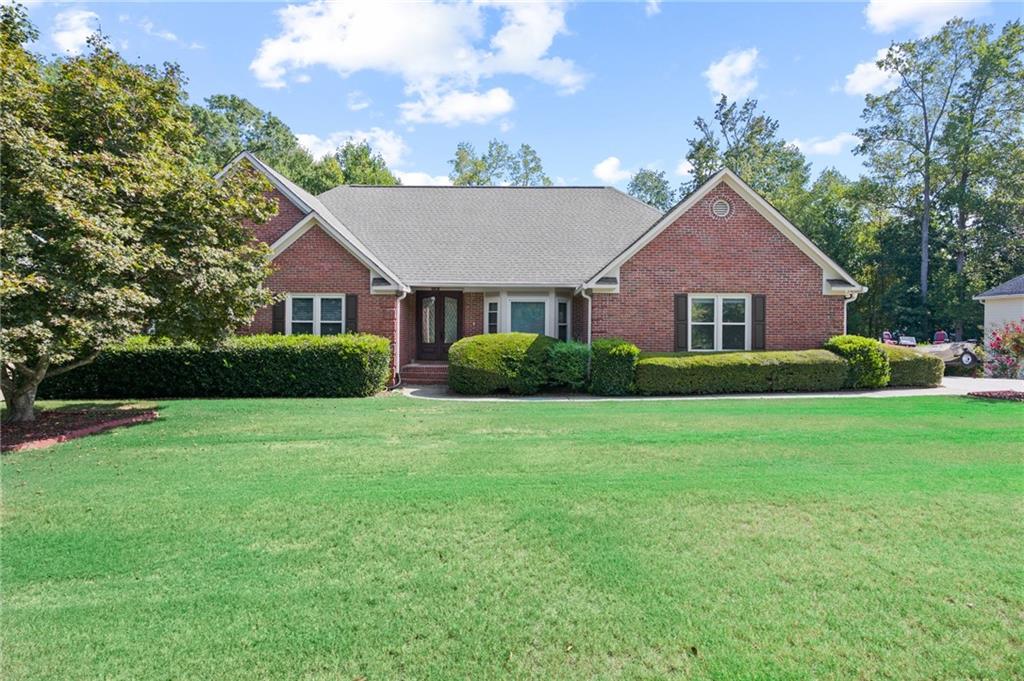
pixel 579 318
pixel 316 263
pixel 472 314
pixel 286 218
pixel 699 253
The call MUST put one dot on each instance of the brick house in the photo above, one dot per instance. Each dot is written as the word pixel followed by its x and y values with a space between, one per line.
pixel 425 266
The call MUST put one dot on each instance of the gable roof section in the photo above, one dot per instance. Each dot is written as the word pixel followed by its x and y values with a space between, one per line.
pixel 1013 287
pixel 491 236
pixel 835 280
pixel 314 210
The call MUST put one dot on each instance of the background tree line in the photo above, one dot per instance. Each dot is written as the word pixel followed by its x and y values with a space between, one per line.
pixel 939 215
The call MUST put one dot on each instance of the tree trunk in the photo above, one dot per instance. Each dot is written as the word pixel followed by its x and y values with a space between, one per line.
pixel 21 404
pixel 926 221
pixel 961 255
pixel 19 383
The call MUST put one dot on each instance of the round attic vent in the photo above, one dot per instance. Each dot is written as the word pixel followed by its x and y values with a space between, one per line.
pixel 721 208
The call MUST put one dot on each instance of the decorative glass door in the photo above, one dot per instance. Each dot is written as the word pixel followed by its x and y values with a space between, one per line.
pixel 438 323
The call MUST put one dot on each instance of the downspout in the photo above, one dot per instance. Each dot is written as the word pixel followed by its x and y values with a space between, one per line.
pixel 590 302
pixel 849 298
pixel 398 338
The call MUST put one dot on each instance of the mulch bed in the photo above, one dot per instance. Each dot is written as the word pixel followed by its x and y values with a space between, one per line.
pixel 52 426
pixel 1011 395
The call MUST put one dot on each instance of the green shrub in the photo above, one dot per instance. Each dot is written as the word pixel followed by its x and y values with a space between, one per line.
pixel 351 365
pixel 913 368
pixel 517 362
pixel 612 366
pixel 868 363
pixel 739 372
pixel 567 364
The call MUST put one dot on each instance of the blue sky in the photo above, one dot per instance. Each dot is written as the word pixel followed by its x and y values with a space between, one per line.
pixel 599 89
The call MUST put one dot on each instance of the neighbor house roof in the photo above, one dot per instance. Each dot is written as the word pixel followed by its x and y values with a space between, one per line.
pixel 1013 287
pixel 553 236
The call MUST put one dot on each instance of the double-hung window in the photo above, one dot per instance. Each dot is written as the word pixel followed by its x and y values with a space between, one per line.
pixel 719 321
pixel 318 314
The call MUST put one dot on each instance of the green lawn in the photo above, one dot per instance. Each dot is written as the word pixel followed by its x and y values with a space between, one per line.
pixel 393 538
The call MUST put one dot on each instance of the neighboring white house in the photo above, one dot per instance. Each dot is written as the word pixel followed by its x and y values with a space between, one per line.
pixel 1004 303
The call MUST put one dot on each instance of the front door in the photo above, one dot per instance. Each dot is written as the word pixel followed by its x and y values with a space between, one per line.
pixel 438 323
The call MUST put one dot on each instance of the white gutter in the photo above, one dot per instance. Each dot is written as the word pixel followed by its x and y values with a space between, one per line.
pixel 849 298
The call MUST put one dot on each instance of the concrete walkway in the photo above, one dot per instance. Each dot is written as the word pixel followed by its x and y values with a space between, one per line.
pixel 951 385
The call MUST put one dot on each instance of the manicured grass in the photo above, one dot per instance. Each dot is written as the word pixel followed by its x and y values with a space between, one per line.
pixel 392 538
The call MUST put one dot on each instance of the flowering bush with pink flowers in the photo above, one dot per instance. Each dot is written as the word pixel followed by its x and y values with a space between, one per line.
pixel 1005 357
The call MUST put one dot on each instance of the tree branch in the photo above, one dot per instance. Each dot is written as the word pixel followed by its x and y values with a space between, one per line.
pixel 74 365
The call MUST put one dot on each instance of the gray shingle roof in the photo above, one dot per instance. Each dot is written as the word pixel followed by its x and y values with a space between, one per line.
pixel 556 236
pixel 1013 287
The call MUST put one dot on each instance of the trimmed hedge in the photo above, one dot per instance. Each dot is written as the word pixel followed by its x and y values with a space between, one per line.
pixel 911 368
pixel 868 362
pixel 739 372
pixel 517 362
pixel 612 366
pixel 567 365
pixel 351 365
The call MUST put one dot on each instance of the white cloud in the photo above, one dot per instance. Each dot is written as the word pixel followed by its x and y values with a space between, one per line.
pixel 733 74
pixel 684 168
pixel 455 107
pixel 357 101
pixel 924 16
pixel 440 50
pixel 302 78
pixel 72 27
pixel 149 28
pixel 831 146
pixel 867 78
pixel 423 178
pixel 388 143
pixel 610 171
pixel 652 7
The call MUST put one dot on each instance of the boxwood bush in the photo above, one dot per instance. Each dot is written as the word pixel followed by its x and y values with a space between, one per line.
pixel 911 368
pixel 567 365
pixel 868 363
pixel 352 365
pixel 739 372
pixel 517 362
pixel 612 366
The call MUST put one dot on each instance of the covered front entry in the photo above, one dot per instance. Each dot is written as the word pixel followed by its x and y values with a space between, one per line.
pixel 438 323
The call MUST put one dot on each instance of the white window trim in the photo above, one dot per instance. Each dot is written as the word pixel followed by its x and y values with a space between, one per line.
pixel 550 300
pixel 718 297
pixel 316 311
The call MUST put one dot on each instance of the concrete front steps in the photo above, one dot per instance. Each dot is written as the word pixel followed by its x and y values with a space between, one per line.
pixel 425 373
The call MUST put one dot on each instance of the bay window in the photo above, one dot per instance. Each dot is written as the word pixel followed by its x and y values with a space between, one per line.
pixel 719 321
pixel 317 314
pixel 545 313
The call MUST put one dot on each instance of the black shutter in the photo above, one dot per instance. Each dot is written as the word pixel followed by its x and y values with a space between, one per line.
pixel 351 313
pixel 682 311
pixel 277 317
pixel 757 339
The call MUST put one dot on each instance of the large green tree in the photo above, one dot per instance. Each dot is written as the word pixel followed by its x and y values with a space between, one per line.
pixel 360 164
pixel 228 124
pixel 747 142
pixel 652 187
pixel 497 166
pixel 110 226
pixel 903 126
pixel 983 148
